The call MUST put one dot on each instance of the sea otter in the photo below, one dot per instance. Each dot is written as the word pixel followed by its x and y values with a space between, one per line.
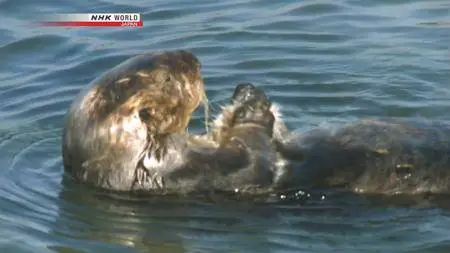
pixel 126 131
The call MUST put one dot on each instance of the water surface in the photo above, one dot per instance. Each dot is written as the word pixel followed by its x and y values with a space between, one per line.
pixel 323 61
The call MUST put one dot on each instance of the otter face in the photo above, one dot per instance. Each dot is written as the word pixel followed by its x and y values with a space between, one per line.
pixel 129 111
pixel 173 89
pixel 163 89
pixel 181 70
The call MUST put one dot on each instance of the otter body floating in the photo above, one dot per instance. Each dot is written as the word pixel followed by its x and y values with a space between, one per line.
pixel 126 132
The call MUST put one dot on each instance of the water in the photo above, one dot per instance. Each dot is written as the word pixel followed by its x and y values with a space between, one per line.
pixel 323 61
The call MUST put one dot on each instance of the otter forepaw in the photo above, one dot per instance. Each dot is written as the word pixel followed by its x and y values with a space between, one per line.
pixel 256 111
pixel 243 92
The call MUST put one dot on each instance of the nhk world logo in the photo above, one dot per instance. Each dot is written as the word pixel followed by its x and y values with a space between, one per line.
pixel 94 20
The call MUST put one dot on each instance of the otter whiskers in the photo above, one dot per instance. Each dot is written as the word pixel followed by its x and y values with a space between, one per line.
pixel 205 103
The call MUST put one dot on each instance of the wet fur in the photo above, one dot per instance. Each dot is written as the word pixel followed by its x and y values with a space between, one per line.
pixel 126 132
pixel 232 157
pixel 127 111
pixel 373 156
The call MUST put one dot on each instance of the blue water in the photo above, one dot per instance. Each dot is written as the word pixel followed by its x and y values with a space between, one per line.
pixel 323 61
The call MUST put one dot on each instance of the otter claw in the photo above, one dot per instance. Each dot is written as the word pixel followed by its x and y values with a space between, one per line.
pixel 243 92
pixel 142 176
pixel 255 111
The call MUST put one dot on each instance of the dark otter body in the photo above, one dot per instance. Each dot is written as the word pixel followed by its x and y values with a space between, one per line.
pixel 380 156
pixel 384 156
pixel 125 132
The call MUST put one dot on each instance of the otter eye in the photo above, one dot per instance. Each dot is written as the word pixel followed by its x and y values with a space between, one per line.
pixel 144 115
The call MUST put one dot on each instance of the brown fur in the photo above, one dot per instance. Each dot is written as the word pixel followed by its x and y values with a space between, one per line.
pixel 131 108
pixel 126 132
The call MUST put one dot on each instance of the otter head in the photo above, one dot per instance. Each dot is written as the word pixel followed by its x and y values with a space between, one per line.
pixel 161 89
pixel 172 88
pixel 164 88
pixel 129 111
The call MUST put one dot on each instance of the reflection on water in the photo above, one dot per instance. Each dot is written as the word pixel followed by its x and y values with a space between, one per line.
pixel 323 61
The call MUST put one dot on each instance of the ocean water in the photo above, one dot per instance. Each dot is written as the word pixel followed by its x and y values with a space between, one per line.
pixel 324 61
